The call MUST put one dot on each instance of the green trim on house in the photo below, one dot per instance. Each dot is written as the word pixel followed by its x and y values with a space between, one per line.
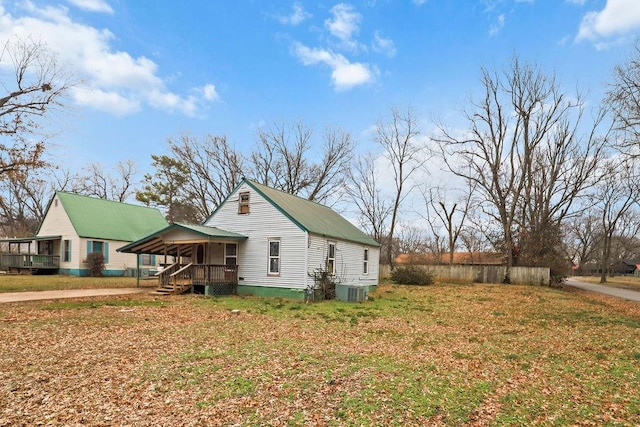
pixel 271 292
pixel 201 231
pixel 84 272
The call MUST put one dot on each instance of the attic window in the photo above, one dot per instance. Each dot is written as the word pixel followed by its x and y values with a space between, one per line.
pixel 243 203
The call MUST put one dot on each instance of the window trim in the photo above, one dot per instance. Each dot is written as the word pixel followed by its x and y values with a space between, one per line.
pixel 244 198
pixel 277 257
pixel 227 256
pixel 105 248
pixel 365 262
pixel 331 261
pixel 66 250
pixel 151 258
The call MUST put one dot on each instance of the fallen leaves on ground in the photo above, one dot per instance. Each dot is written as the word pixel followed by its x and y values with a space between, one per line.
pixel 441 355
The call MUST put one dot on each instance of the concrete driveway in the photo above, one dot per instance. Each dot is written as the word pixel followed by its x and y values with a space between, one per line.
pixel 71 293
pixel 627 294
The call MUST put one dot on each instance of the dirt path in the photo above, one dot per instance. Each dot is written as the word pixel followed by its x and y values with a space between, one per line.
pixel 71 293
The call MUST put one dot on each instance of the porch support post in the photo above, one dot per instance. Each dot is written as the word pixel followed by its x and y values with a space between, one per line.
pixel 137 269
pixel 165 254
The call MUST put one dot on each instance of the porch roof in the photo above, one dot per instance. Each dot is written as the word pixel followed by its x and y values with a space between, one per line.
pixel 161 242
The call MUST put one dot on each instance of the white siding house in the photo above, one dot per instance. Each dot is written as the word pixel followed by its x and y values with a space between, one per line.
pixel 282 240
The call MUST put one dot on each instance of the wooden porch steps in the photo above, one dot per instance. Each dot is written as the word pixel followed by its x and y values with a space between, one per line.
pixel 170 290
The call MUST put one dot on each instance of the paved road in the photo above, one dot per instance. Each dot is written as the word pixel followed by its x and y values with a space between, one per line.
pixel 72 293
pixel 627 294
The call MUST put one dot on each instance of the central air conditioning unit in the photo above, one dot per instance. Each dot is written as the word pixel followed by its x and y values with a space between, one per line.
pixel 350 292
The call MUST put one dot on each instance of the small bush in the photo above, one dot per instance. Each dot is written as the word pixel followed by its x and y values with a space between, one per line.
pixel 324 285
pixel 95 263
pixel 411 275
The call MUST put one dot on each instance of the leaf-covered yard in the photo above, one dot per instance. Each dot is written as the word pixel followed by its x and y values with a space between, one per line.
pixel 439 355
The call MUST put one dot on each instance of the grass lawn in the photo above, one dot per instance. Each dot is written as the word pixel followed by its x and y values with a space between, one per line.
pixel 451 355
pixel 27 282
pixel 629 282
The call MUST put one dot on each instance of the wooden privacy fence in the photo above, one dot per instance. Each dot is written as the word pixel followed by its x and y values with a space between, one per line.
pixel 482 274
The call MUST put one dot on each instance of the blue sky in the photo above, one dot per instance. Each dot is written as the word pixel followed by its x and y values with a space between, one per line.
pixel 153 69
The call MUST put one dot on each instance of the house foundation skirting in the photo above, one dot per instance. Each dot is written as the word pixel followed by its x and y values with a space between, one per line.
pixel 84 272
pixel 272 292
pixel 265 291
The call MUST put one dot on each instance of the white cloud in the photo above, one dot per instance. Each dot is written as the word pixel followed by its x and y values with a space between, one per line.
pixel 619 17
pixel 381 44
pixel 171 102
pixel 93 5
pixel 113 81
pixel 209 92
pixel 344 24
pixel 344 75
pixel 297 15
pixel 497 26
pixel 109 102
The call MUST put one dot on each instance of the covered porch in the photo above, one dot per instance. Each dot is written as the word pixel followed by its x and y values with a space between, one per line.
pixel 30 254
pixel 194 258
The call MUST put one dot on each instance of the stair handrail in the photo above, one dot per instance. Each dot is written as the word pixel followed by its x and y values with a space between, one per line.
pixel 186 267
pixel 164 275
pixel 168 268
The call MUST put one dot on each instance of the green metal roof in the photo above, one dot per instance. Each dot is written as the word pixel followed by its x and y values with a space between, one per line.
pixel 155 243
pixel 105 219
pixel 207 231
pixel 313 217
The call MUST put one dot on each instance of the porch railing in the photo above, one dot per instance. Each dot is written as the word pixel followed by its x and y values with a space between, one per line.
pixel 208 274
pixel 30 261
pixel 179 278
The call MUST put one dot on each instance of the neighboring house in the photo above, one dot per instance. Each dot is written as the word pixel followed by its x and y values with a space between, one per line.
pixel 266 242
pixel 621 268
pixel 75 225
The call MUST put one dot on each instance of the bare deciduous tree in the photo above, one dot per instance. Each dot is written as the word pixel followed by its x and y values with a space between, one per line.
pixel 582 237
pixel 37 88
pixel 364 190
pixel 398 139
pixel 282 155
pixel 616 193
pixel 330 174
pixel 525 152
pixel 214 169
pixel 624 99
pixel 95 181
pixel 451 215
pixel 279 159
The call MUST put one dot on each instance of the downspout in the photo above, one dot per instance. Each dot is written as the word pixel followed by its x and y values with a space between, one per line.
pixel 306 262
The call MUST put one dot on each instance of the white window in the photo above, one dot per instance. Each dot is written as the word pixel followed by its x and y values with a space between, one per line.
pixel 230 254
pixel 243 203
pixel 365 262
pixel 274 257
pixel 66 250
pixel 146 259
pixel 331 258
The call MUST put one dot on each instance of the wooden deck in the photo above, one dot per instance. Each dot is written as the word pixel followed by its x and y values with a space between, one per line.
pixel 217 279
pixel 29 262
